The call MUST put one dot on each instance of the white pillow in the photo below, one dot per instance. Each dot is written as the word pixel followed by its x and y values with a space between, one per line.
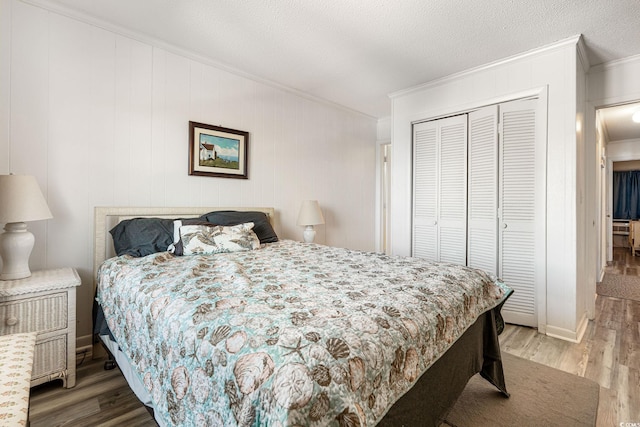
pixel 199 239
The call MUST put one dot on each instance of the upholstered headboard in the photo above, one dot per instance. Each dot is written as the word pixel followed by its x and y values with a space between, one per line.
pixel 108 217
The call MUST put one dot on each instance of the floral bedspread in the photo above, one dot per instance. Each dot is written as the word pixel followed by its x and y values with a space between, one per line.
pixel 289 334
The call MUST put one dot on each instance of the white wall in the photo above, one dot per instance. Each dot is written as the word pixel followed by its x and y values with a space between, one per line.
pixel 101 119
pixel 554 68
pixel 615 82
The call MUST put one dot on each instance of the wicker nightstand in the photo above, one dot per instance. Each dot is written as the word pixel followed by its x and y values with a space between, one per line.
pixel 44 303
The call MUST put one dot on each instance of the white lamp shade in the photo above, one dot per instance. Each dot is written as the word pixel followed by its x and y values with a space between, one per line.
pixel 21 199
pixel 310 213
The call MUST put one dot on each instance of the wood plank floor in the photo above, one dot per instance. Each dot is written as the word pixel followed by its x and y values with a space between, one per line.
pixel 608 354
pixel 100 398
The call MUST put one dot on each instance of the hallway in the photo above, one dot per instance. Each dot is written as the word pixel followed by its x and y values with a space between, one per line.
pixel 623 263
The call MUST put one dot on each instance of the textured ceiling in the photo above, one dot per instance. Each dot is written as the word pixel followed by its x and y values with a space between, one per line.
pixel 355 52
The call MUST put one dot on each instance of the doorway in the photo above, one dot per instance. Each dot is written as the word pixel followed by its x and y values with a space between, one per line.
pixel 385 197
pixel 618 141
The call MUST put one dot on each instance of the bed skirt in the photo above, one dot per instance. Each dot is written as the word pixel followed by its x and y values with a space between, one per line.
pixel 435 393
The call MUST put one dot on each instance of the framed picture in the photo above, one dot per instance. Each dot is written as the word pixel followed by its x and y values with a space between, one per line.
pixel 217 151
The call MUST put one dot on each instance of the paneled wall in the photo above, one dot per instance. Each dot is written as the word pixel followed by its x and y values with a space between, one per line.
pixel 585 206
pixel 102 119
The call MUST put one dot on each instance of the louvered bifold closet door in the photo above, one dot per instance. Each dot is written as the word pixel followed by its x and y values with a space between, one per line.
pixel 425 190
pixel 518 249
pixel 440 190
pixel 452 212
pixel 482 249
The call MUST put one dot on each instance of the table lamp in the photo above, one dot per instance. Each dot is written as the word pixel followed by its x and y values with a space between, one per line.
pixel 310 215
pixel 20 201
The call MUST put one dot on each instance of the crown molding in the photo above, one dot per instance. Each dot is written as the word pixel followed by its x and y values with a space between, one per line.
pixel 583 57
pixel 570 41
pixel 635 59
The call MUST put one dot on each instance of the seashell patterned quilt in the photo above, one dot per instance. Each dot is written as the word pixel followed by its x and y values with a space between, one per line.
pixel 290 334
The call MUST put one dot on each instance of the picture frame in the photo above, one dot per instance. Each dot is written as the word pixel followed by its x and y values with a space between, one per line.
pixel 218 151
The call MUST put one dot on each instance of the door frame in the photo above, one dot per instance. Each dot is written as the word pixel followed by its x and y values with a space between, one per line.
pixel 604 247
pixel 383 216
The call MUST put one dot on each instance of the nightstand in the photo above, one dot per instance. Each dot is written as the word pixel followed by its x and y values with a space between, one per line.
pixel 44 303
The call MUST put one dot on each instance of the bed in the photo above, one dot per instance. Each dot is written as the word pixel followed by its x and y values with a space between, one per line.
pixel 283 333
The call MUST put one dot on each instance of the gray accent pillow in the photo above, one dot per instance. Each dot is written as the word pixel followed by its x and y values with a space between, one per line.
pixel 139 237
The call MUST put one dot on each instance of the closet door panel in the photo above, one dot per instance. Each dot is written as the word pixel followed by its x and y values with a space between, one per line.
pixel 518 251
pixel 424 242
pixel 452 245
pixel 482 251
pixel 518 272
pixel 425 190
pixel 452 213
pixel 440 190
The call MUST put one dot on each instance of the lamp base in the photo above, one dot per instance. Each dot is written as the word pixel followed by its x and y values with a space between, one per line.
pixel 16 244
pixel 309 234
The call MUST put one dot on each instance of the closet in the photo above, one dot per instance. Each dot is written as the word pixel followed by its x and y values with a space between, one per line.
pixel 478 180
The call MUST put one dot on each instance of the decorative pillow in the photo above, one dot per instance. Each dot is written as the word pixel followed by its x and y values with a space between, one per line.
pixel 176 231
pixel 201 239
pixel 142 236
pixel 262 226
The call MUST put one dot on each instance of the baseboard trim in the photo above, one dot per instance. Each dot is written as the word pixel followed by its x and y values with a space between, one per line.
pixel 563 334
pixel 84 348
pixel 582 326
pixel 84 341
pixel 569 335
pixel 83 354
